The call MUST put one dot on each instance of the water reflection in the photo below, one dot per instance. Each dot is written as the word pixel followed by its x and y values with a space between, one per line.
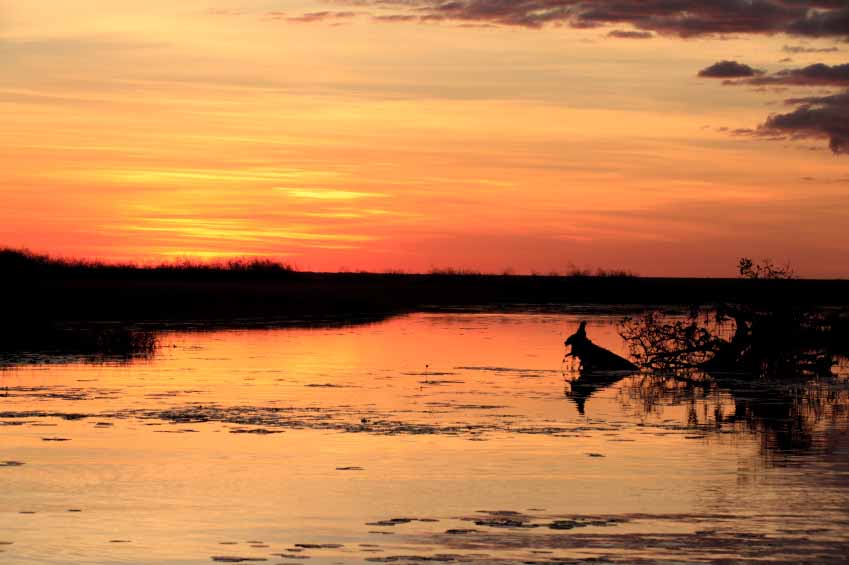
pixel 784 410
pixel 443 438
pixel 580 389
pixel 786 415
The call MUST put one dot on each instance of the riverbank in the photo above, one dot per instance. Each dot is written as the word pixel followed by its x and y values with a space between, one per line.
pixel 40 294
pixel 40 288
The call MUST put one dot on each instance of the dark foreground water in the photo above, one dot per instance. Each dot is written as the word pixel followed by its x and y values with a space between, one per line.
pixel 428 438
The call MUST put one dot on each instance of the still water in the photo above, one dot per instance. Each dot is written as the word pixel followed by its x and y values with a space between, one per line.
pixel 427 438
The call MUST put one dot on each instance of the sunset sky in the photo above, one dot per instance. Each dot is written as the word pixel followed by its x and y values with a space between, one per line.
pixel 667 137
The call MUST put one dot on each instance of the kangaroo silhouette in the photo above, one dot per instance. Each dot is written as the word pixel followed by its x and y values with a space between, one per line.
pixel 592 356
pixel 600 368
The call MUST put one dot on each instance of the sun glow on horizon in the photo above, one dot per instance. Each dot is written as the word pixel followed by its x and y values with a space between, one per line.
pixel 215 130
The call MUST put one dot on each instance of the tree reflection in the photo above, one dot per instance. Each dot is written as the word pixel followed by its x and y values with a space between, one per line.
pixel 789 416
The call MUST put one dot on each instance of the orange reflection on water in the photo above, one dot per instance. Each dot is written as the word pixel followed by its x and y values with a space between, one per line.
pixel 430 416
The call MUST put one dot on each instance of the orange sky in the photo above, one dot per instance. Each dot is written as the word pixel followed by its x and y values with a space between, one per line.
pixel 209 128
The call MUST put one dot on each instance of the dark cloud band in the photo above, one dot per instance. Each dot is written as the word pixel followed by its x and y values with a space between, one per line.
pixel 824 116
pixel 729 69
pixel 806 18
pixel 818 74
pixel 817 117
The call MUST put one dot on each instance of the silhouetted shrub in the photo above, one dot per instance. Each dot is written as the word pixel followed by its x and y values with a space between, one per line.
pixel 771 335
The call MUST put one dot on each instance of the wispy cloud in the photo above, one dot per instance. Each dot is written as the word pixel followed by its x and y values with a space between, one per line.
pixel 239 230
pixel 313 17
pixel 329 194
pixel 630 34
pixel 798 49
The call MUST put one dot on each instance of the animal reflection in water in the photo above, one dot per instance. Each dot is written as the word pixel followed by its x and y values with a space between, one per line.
pixel 599 367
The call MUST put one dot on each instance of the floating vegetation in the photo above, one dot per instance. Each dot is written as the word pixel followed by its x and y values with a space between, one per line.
pixel 436 558
pixel 509 519
pixel 343 420
pixel 319 545
pixel 256 431
pixel 390 522
pixel 397 521
pixel 505 522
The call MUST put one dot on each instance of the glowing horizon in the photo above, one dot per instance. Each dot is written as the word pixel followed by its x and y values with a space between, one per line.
pixel 381 136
